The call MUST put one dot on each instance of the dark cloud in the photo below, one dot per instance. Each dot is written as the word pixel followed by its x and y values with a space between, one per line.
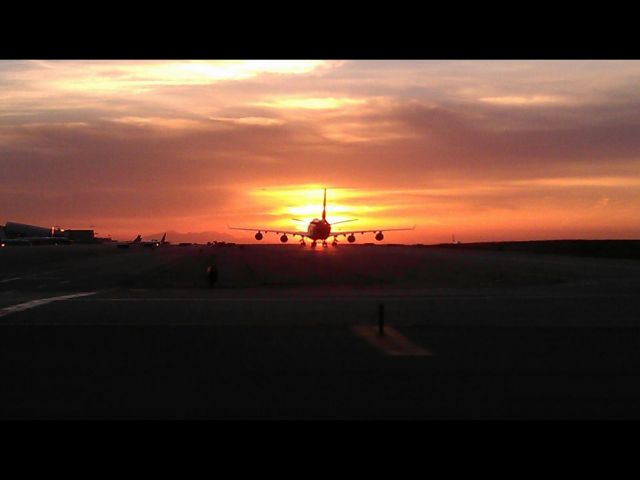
pixel 440 144
pixel 484 144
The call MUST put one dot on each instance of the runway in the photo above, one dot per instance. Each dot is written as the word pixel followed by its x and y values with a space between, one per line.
pixel 142 334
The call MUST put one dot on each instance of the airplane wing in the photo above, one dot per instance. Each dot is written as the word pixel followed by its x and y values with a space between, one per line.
pixel 269 230
pixel 353 232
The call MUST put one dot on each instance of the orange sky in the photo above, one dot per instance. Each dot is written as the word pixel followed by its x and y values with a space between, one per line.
pixel 485 150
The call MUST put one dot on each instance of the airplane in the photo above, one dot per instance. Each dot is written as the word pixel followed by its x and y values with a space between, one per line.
pixel 155 243
pixel 320 229
pixel 146 243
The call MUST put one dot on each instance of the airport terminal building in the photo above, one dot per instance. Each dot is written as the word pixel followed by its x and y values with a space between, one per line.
pixel 14 230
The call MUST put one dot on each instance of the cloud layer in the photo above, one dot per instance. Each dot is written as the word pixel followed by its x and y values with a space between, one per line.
pixel 483 149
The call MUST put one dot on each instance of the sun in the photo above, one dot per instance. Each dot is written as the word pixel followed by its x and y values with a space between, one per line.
pixel 304 203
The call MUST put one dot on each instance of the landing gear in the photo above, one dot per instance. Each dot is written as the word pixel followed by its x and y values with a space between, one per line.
pixel 313 245
pixel 302 244
pixel 334 243
pixel 324 244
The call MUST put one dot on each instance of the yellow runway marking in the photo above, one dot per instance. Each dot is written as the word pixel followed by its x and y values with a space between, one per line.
pixel 391 343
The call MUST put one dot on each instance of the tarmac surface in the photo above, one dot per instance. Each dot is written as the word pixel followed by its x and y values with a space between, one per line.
pixel 96 332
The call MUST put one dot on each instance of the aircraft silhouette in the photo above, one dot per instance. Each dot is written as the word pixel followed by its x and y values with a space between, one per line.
pixel 320 229
pixel 147 243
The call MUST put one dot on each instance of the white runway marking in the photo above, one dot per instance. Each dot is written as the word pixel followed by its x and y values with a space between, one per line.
pixel 392 343
pixel 41 301
pixel 10 279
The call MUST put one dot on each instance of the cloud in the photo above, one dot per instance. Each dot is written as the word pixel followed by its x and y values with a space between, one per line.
pixel 489 143
pixel 107 76
pixel 311 103
pixel 263 121
pixel 523 100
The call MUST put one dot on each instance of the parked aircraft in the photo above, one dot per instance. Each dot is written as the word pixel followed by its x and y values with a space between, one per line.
pixel 146 243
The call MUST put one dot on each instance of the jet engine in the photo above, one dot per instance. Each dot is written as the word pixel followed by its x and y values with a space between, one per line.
pixel 258 236
pixel 284 239
pixel 351 238
pixel 379 236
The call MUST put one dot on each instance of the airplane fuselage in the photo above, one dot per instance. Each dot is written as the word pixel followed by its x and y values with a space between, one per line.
pixel 319 229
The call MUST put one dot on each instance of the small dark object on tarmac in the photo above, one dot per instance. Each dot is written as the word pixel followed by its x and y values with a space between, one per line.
pixel 212 274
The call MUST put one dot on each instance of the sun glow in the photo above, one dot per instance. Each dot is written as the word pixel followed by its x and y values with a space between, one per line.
pixel 305 203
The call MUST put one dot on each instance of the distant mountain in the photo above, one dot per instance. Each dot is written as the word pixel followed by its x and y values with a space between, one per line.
pixel 194 237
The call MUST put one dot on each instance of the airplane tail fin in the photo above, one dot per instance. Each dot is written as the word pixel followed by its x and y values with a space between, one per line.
pixel 324 205
pixel 164 237
pixel 138 239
